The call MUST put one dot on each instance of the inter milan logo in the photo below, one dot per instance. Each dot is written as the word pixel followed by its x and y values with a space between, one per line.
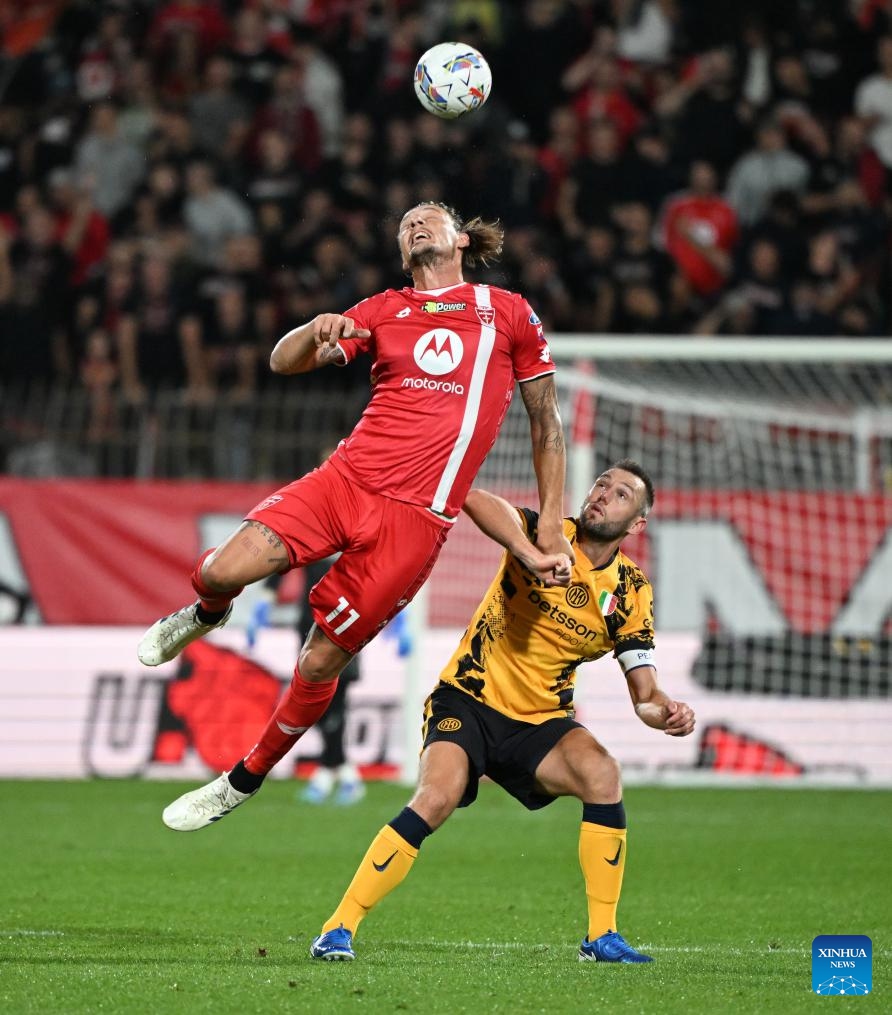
pixel 577 596
pixel 438 352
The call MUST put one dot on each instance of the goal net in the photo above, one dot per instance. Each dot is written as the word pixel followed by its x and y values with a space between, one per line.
pixel 768 548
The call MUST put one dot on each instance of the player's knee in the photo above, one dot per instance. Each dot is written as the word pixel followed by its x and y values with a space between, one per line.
pixel 316 666
pixel 603 779
pixel 434 804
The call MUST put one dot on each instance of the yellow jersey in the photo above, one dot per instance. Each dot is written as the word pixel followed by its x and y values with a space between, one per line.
pixel 520 652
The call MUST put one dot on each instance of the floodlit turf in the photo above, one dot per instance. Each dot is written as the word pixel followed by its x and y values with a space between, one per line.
pixel 102 909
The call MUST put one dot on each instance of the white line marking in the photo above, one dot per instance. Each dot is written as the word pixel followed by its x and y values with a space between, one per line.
pixel 32 933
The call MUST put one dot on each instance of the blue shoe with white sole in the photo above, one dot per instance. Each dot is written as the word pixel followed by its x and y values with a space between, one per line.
pixel 610 947
pixel 334 945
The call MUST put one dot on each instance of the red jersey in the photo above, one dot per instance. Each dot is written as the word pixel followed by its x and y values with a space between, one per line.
pixel 445 363
pixel 714 223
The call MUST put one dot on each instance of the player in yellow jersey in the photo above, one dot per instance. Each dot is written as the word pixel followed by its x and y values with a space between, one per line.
pixel 504 704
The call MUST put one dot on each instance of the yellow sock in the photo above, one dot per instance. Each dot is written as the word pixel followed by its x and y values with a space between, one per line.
pixel 602 856
pixel 387 861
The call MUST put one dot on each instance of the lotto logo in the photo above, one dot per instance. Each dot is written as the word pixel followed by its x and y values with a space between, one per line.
pixel 438 352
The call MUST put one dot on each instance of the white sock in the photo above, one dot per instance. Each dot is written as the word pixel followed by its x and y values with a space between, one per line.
pixel 323 779
pixel 348 773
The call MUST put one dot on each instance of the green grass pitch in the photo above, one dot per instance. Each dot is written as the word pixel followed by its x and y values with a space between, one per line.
pixel 102 909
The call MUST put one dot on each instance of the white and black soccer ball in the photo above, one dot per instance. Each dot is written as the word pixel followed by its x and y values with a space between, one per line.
pixel 451 79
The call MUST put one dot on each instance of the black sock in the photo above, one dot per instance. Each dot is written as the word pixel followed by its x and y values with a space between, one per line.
pixel 209 618
pixel 243 780
pixel 413 828
pixel 610 815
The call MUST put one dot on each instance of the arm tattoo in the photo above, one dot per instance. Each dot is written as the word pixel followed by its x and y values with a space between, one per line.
pixel 553 441
pixel 280 559
pixel 541 404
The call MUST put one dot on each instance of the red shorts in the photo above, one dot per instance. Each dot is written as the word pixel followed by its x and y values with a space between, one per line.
pixel 388 549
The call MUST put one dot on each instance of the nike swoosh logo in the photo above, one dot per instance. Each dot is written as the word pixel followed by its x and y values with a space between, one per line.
pixel 291 731
pixel 615 860
pixel 381 867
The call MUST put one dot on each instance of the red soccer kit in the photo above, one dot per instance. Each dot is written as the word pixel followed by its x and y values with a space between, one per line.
pixel 445 365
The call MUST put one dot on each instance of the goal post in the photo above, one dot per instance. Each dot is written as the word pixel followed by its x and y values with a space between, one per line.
pixel 769 547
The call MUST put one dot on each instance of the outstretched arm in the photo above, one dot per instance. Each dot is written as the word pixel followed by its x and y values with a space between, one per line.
pixel 313 344
pixel 654 707
pixel 500 521
pixel 549 462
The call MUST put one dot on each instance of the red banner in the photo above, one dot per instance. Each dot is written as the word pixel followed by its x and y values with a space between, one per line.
pixel 106 552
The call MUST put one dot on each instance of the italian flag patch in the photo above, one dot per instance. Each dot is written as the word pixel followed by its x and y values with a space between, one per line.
pixel 607 602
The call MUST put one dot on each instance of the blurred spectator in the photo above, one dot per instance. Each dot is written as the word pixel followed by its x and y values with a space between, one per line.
pixel 230 346
pixel 103 300
pixel 846 155
pixel 36 302
pixel 81 230
pixel 700 231
pixel 107 162
pixel 139 103
pixel 598 93
pixel 212 213
pixel 649 168
pixel 649 273
pixel 198 20
pixel 782 225
pixel 596 180
pixel 158 345
pixel 645 29
pixel 760 285
pixel 218 116
pixel 803 315
pixel 172 140
pixel 104 57
pixel 873 102
pixel 98 374
pixel 765 169
pixel 254 60
pixel 710 117
pixel 274 189
pixel 589 274
pixel 830 273
pixel 323 89
pixel 541 41
pixel 513 186
pixel 288 113
pixel 558 154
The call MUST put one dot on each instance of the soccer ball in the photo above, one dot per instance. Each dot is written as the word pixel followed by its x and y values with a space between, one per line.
pixel 452 79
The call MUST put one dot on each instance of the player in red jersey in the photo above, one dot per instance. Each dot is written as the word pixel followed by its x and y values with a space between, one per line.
pixel 447 354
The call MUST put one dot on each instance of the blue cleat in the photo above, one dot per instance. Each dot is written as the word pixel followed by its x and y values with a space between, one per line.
pixel 350 792
pixel 334 946
pixel 610 947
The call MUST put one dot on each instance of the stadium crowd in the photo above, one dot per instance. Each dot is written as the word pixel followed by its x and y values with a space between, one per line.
pixel 181 180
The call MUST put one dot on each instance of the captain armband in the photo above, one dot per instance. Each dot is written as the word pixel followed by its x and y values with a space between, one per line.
pixel 634 657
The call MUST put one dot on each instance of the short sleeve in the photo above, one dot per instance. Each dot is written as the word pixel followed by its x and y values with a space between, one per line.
pixel 364 314
pixel 636 635
pixel 530 353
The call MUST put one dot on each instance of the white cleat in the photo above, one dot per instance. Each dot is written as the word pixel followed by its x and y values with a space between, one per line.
pixel 202 807
pixel 167 637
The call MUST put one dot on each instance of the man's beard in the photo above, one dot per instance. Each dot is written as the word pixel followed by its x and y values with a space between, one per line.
pixel 427 257
pixel 603 532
